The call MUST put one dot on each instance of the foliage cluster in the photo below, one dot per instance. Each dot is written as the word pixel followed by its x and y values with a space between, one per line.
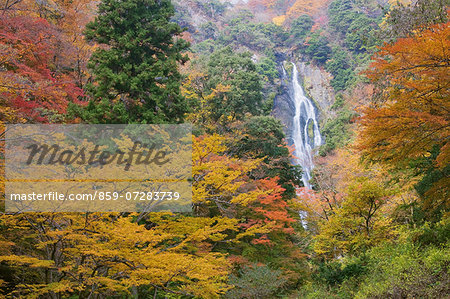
pixel 403 184
pixel 337 130
pixel 376 223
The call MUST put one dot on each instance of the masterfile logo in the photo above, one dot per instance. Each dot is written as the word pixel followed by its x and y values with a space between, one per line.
pixel 98 168
pixel 54 154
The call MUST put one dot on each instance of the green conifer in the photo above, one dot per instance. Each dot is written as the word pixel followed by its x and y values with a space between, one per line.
pixel 136 79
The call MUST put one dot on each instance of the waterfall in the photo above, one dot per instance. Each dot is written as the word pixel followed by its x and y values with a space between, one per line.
pixel 305 131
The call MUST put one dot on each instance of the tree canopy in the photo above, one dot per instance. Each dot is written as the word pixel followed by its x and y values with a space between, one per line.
pixel 136 78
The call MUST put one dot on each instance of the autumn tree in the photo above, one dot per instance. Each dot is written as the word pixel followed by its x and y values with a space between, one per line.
pixel 136 79
pixel 287 10
pixel 355 204
pixel 308 7
pixel 31 82
pixel 402 20
pixel 71 17
pixel 219 179
pixel 96 254
pixel 223 185
pixel 68 18
pixel 409 119
pixel 358 223
pixel 263 137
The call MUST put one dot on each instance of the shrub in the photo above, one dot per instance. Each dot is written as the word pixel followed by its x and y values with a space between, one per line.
pixel 256 282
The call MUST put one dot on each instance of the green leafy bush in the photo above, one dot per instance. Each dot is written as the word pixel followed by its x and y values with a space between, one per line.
pixel 336 130
pixel 300 28
pixel 339 65
pixel 267 67
pixel 256 282
pixel 407 271
pixel 334 273
pixel 318 48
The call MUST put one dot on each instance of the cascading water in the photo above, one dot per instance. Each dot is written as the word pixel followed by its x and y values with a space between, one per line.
pixel 305 131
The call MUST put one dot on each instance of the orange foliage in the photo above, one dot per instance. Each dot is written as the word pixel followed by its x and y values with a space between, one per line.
pixel 308 7
pixel 412 114
pixel 272 209
pixel 410 119
pixel 30 81
pixel 288 9
pixel 43 57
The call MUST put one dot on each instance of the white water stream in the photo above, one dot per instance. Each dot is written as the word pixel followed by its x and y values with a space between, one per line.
pixel 305 132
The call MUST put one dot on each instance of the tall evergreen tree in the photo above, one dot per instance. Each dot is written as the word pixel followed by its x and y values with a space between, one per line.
pixel 136 79
pixel 237 71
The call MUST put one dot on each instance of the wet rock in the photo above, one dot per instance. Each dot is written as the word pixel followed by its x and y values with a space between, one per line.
pixel 316 83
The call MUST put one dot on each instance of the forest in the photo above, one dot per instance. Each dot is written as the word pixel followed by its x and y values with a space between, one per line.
pixel 372 222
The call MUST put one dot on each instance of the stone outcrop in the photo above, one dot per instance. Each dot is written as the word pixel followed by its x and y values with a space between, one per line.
pixel 316 83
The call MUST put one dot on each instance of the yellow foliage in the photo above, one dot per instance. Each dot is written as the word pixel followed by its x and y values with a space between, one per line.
pixel 217 177
pixel 106 252
pixel 193 89
pixel 279 20
pixel 309 7
pixel 358 224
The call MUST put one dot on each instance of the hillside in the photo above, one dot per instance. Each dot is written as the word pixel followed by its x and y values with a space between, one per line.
pixel 245 149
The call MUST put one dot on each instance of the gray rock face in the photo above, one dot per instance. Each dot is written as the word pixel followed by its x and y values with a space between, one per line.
pixel 283 107
pixel 316 83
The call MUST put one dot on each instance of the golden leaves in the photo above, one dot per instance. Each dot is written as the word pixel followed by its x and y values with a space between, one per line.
pixel 410 118
pixel 106 253
pixel 219 177
pixel 413 114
